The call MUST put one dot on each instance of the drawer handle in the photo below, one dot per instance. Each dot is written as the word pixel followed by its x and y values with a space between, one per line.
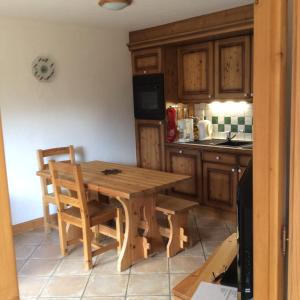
pixel 180 151
pixel 233 170
pixel 239 170
pixel 218 157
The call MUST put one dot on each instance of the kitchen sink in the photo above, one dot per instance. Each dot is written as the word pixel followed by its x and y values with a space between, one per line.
pixel 235 143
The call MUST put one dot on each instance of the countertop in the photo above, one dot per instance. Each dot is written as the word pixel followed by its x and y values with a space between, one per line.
pixel 214 145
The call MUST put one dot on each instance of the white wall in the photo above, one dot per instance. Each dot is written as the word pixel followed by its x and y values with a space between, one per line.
pixel 89 103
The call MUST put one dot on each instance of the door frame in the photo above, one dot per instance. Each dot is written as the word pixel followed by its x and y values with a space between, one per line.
pixel 8 274
pixel 269 153
pixel 294 203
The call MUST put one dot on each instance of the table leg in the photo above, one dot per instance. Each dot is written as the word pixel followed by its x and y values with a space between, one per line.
pixel 133 245
pixel 152 230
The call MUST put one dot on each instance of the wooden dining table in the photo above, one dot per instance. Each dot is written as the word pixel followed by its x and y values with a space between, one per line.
pixel 136 189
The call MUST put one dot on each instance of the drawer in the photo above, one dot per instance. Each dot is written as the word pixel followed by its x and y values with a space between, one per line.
pixel 244 160
pixel 224 158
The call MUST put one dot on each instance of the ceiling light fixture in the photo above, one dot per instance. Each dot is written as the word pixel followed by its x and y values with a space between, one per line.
pixel 114 4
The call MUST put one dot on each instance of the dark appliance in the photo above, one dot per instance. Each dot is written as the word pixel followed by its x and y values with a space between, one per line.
pixel 240 272
pixel 149 99
pixel 245 234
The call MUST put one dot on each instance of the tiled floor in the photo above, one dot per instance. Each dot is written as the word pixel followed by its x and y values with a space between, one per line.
pixel 43 274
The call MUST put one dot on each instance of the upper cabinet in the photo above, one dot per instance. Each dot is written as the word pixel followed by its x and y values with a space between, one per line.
pixel 195 71
pixel 147 61
pixel 232 68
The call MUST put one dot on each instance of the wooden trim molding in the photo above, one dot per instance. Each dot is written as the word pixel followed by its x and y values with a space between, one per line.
pixel 294 205
pixel 219 24
pixel 8 274
pixel 31 225
pixel 269 147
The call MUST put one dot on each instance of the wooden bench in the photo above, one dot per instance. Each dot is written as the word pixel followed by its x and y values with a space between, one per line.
pixel 176 210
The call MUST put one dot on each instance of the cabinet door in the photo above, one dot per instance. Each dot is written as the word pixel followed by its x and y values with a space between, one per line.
pixel 147 61
pixel 220 186
pixel 187 162
pixel 195 71
pixel 150 144
pixel 232 68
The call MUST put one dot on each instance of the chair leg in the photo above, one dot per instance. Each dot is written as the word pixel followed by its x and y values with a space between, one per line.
pixel 120 229
pixel 87 247
pixel 47 226
pixel 62 236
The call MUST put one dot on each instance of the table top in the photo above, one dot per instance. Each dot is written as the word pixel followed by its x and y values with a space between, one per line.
pixel 131 182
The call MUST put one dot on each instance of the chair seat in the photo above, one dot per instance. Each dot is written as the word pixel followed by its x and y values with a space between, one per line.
pixel 172 205
pixel 98 213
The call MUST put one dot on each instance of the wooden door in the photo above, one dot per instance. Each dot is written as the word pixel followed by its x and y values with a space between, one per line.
pixel 8 274
pixel 187 162
pixel 294 201
pixel 195 72
pixel 150 144
pixel 269 153
pixel 232 68
pixel 220 186
pixel 147 61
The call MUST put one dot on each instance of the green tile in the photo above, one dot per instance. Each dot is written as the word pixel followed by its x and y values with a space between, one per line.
pixel 248 129
pixel 227 120
pixel 234 128
pixel 241 120
pixel 214 120
pixel 221 127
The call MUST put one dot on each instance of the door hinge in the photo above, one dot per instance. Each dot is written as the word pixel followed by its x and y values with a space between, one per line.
pixel 284 240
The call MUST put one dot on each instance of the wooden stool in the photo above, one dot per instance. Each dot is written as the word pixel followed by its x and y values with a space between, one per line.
pixel 176 210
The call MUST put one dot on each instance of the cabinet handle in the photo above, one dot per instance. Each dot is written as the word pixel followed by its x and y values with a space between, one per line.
pixel 180 151
pixel 246 95
pixel 239 170
pixel 217 157
pixel 251 95
pixel 209 96
pixel 145 71
pixel 233 170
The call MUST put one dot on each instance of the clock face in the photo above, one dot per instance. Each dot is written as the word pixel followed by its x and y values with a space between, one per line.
pixel 43 68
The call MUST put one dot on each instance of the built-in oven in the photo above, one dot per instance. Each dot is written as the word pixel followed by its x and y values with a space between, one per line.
pixel 149 99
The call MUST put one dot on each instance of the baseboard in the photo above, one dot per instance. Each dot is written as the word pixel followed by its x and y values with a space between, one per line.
pixel 30 225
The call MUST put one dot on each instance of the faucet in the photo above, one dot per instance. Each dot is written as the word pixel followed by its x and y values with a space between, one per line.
pixel 229 135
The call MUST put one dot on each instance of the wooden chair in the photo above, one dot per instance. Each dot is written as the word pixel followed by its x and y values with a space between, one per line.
pixel 176 210
pixel 77 211
pixel 48 196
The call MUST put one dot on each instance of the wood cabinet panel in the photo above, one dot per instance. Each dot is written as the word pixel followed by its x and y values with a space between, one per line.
pixel 220 186
pixel 187 162
pixel 232 68
pixel 150 144
pixel 219 157
pixel 147 61
pixel 195 71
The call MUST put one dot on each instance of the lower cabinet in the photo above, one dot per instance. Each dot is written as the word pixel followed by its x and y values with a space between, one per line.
pixel 187 162
pixel 220 185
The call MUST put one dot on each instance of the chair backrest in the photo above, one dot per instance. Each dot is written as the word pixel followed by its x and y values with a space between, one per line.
pixel 52 154
pixel 68 176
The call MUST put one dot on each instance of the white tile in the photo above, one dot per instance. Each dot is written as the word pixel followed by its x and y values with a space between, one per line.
pixel 106 285
pixel 151 265
pixel 31 286
pixel 185 264
pixel 248 120
pixel 196 250
pixel 148 284
pixel 65 286
pixel 47 252
pixel 71 267
pixel 221 119
pixel 148 298
pixel 25 251
pixel 227 127
pixel 39 267
pixel 234 120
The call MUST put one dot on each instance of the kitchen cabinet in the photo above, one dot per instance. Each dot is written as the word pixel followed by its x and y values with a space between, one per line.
pixel 187 162
pixel 232 68
pixel 147 61
pixel 150 144
pixel 196 71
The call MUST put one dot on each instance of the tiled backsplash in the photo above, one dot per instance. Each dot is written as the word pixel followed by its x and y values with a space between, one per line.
pixel 228 116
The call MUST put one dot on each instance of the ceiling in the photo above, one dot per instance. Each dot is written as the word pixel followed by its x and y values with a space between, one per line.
pixel 141 14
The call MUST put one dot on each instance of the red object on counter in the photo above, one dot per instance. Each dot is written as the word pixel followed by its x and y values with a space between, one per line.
pixel 171 125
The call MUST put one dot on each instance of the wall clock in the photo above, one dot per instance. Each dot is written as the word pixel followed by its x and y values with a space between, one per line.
pixel 43 68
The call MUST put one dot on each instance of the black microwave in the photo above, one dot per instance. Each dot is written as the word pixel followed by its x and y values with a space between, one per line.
pixel 149 98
